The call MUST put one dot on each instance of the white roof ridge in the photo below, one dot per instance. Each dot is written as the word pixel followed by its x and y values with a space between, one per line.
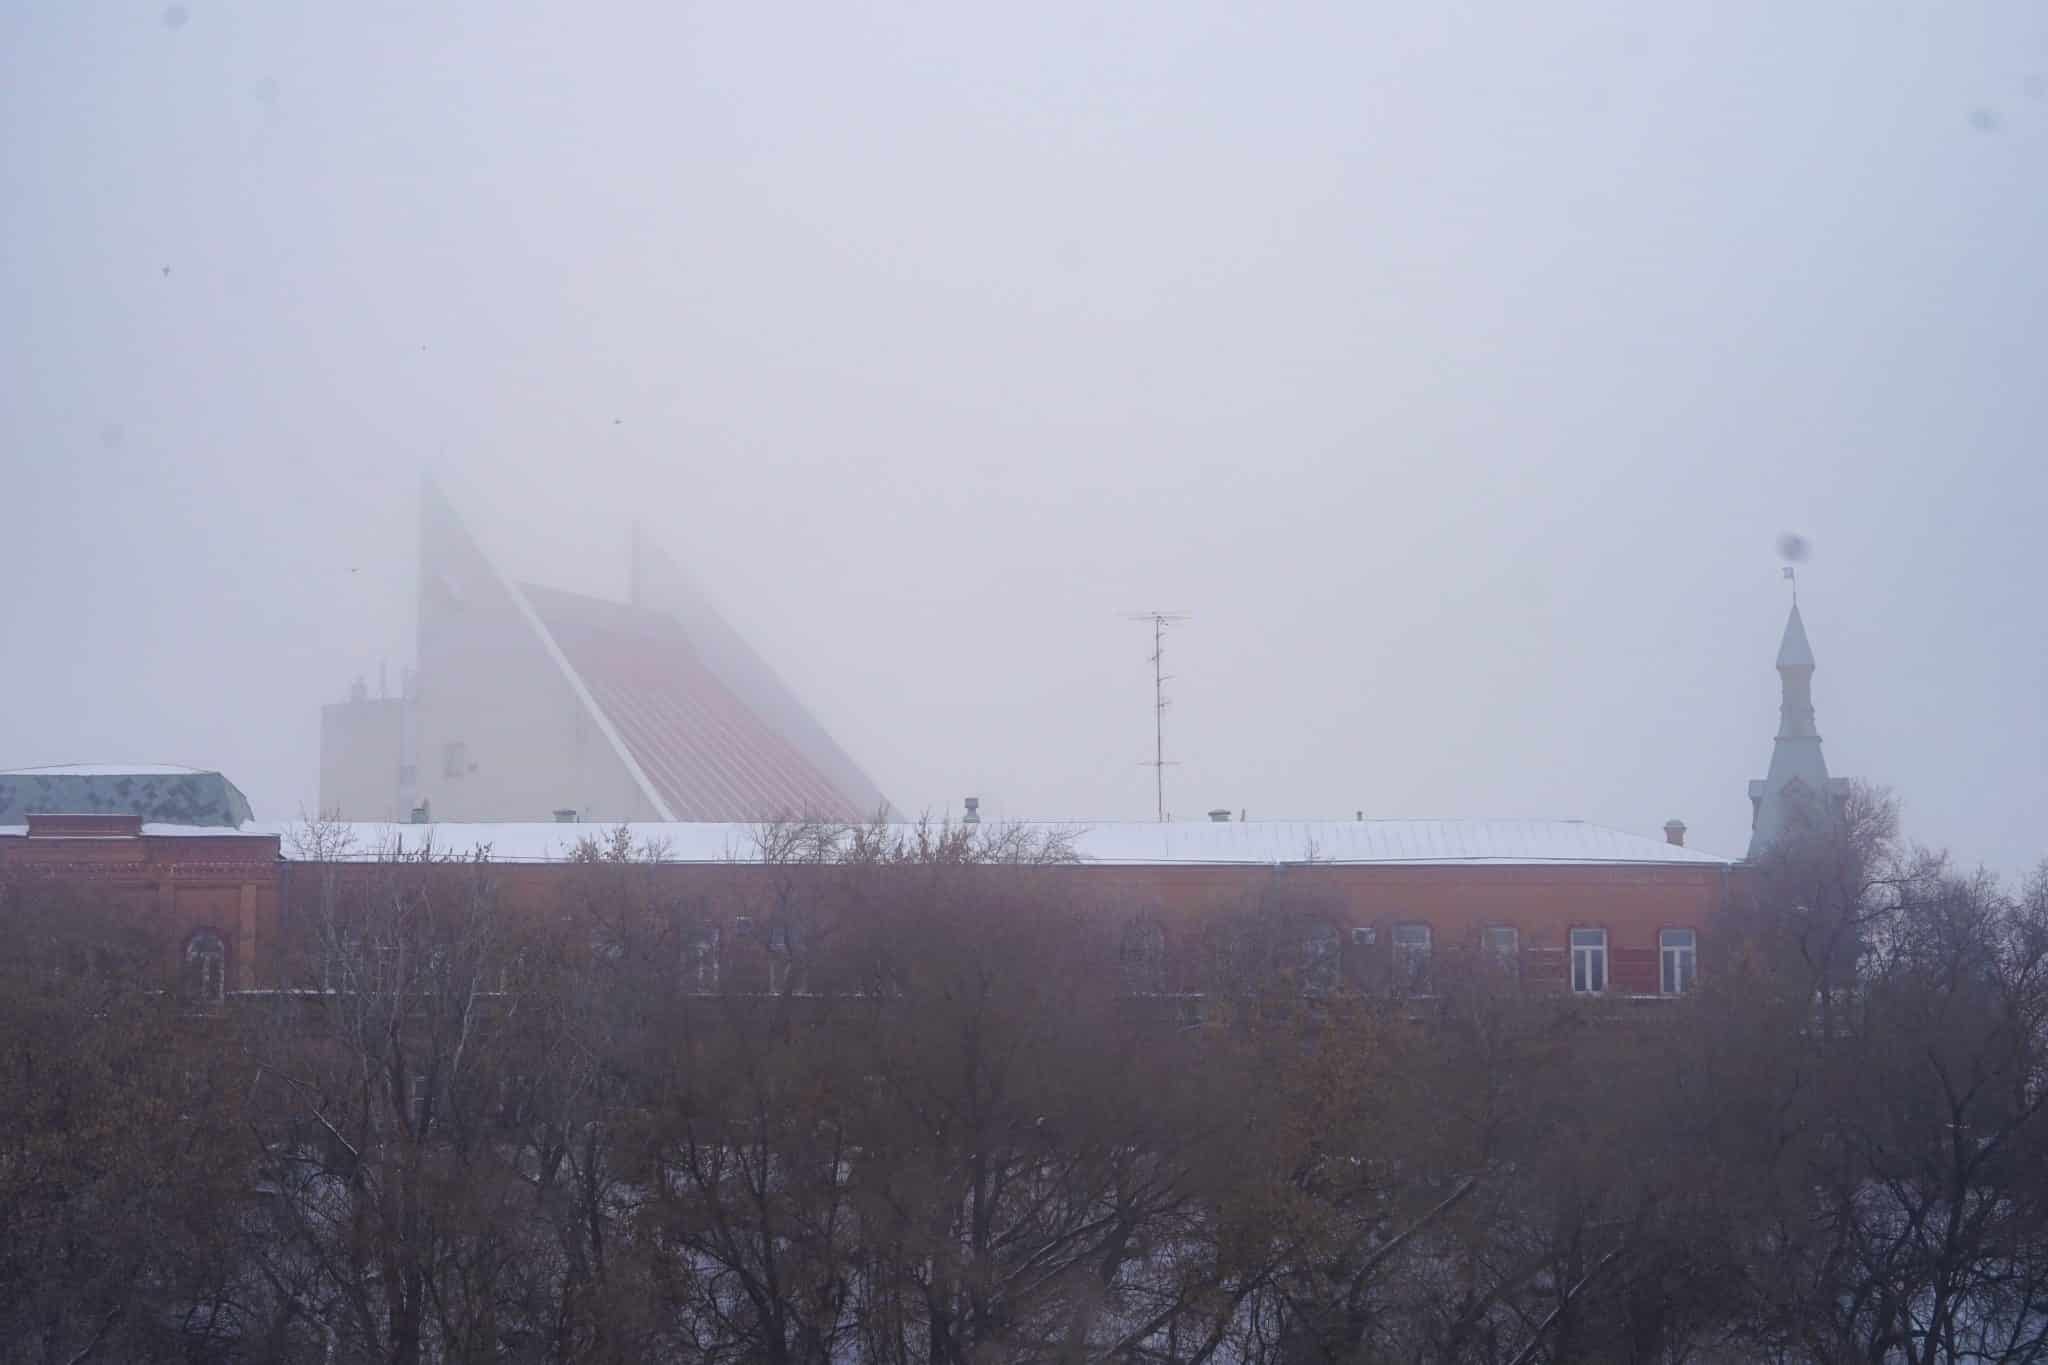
pixel 109 770
pixel 1390 842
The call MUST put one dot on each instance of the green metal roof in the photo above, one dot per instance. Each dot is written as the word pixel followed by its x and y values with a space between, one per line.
pixel 159 794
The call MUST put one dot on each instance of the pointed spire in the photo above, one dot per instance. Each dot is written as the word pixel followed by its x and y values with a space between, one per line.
pixel 1797 792
pixel 1793 651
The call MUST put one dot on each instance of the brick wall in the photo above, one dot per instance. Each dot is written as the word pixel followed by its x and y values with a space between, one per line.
pixel 180 885
pixel 234 885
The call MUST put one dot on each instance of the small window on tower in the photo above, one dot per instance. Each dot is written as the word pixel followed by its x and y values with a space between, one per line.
pixel 454 758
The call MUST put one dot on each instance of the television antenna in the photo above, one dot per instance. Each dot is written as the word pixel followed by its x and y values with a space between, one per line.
pixel 1160 621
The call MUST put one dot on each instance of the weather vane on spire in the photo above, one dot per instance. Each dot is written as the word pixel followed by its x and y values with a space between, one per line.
pixel 1794 549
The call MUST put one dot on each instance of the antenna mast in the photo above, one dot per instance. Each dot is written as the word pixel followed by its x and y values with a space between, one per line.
pixel 1160 621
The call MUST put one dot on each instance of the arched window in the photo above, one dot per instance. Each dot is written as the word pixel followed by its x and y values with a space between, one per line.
pixel 206 967
pixel 1143 958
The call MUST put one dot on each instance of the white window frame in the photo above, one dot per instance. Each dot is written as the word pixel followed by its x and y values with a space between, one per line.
pixel 1411 958
pixel 1586 957
pixel 1678 961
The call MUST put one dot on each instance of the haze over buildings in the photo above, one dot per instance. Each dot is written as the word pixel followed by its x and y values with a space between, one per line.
pixel 1455 371
pixel 529 702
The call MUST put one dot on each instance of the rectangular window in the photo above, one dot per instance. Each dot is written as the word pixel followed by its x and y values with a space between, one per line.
pixel 454 758
pixel 1503 943
pixel 704 963
pixel 1678 954
pixel 1319 960
pixel 1411 955
pixel 1589 961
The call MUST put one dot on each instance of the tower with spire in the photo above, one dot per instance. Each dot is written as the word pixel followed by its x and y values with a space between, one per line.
pixel 1798 795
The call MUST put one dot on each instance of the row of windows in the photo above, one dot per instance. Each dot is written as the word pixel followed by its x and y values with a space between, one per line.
pixel 1144 957
pixel 1677 955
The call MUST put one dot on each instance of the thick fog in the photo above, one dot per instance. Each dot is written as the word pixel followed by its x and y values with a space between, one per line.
pixel 1456 368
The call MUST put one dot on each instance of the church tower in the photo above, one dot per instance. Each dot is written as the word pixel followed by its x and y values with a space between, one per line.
pixel 1798 795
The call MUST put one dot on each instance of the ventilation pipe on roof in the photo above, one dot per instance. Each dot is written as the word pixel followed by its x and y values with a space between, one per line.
pixel 566 816
pixel 1221 815
pixel 973 815
pixel 1674 833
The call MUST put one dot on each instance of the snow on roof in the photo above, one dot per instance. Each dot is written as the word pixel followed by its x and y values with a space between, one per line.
pixel 105 770
pixel 1119 843
pixel 164 830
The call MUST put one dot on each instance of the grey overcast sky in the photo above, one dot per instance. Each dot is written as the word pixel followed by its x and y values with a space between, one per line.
pixel 1456 366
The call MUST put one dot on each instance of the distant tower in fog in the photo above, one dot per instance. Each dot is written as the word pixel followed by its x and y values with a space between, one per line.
pixel 1798 794
pixel 530 702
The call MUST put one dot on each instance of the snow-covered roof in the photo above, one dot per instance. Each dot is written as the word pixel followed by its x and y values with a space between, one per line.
pixel 160 829
pixel 104 770
pixel 1123 843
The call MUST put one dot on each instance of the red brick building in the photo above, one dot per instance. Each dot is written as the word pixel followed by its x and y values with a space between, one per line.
pixel 210 894
pixel 1570 906
pixel 1377 897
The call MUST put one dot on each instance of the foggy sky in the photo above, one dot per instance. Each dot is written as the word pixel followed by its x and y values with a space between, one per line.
pixel 1455 366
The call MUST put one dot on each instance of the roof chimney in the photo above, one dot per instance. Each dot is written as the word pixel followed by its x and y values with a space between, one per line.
pixel 566 816
pixel 1221 815
pixel 1674 833
pixel 973 815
